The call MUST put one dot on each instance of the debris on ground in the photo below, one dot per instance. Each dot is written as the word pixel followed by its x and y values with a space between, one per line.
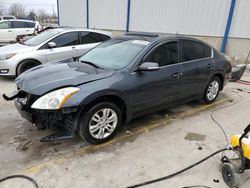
pixel 24 142
pixel 128 132
pixel 216 180
pixel 23 146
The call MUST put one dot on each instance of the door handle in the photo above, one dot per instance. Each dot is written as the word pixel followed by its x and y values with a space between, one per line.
pixel 210 65
pixel 9 30
pixel 177 75
pixel 73 47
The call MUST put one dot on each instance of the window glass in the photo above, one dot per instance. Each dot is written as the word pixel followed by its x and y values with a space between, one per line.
pixel 67 39
pixel 194 50
pixel 8 18
pixel 114 53
pixel 5 25
pixel 104 37
pixel 39 39
pixel 207 51
pixel 87 38
pixel 19 25
pixel 31 24
pixel 165 54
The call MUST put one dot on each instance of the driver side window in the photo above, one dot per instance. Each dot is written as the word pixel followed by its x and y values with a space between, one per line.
pixel 165 54
pixel 67 39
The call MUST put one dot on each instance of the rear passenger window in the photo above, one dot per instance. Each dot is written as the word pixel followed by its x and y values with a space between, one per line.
pixel 31 25
pixel 207 51
pixel 192 50
pixel 165 54
pixel 103 37
pixel 87 38
pixel 19 25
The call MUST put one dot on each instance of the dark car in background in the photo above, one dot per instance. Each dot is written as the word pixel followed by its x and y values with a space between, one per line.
pixel 120 79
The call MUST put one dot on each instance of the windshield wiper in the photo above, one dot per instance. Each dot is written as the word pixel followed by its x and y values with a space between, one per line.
pixel 92 64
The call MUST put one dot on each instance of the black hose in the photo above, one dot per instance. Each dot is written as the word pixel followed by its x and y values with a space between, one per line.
pixel 20 176
pixel 204 186
pixel 180 171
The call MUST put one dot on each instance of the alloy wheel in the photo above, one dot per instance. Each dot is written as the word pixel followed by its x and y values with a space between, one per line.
pixel 213 90
pixel 103 123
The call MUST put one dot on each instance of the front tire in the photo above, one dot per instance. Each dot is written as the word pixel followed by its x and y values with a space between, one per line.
pixel 212 90
pixel 100 123
pixel 26 65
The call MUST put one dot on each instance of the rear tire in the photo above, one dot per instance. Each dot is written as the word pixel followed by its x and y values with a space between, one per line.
pixel 26 65
pixel 212 90
pixel 100 123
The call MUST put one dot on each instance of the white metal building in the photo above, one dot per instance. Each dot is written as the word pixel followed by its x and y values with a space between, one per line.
pixel 205 19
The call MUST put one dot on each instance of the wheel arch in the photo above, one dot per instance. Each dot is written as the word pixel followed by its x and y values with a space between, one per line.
pixel 18 64
pixel 221 77
pixel 119 101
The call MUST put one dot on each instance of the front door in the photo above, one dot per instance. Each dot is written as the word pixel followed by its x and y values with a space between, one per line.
pixel 65 47
pixel 158 88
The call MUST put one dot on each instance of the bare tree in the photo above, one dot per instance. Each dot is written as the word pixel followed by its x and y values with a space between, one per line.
pixel 42 15
pixel 32 15
pixel 17 10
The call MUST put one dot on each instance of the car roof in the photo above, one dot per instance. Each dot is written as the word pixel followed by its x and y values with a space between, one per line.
pixel 150 37
pixel 67 29
pixel 18 20
pixel 155 37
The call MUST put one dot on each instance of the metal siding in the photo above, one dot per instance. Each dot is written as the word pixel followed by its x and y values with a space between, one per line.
pixel 108 14
pixel 190 17
pixel 240 27
pixel 72 13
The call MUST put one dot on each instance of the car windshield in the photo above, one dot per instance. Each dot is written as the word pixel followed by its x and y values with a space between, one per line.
pixel 39 39
pixel 114 54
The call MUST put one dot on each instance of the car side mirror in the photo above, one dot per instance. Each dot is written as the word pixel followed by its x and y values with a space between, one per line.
pixel 76 58
pixel 149 66
pixel 52 45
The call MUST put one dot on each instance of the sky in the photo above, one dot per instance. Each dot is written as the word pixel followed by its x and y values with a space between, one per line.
pixel 46 5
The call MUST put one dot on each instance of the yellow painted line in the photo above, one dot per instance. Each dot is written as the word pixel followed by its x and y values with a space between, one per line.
pixel 135 131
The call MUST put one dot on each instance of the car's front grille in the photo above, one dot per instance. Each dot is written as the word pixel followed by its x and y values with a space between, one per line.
pixel 31 99
pixel 26 98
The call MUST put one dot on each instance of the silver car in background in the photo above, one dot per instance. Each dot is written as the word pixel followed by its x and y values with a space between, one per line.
pixel 50 46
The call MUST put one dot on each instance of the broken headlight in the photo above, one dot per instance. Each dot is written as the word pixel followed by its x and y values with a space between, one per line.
pixel 55 99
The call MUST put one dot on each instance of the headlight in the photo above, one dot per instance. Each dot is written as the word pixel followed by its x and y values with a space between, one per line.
pixel 55 99
pixel 7 56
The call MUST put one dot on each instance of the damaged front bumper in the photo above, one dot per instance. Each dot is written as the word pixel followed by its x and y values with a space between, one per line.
pixel 63 119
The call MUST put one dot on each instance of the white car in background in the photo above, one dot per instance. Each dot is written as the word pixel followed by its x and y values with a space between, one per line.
pixel 7 17
pixel 10 29
pixel 50 46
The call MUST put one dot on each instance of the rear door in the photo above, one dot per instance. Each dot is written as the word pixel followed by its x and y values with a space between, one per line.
pixel 66 44
pixel 21 28
pixel 198 66
pixel 158 88
pixel 89 40
pixel 5 31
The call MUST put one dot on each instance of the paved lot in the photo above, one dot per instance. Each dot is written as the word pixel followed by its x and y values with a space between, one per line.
pixel 148 147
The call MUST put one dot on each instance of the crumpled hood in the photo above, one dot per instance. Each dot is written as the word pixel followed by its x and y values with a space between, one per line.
pixel 15 48
pixel 48 77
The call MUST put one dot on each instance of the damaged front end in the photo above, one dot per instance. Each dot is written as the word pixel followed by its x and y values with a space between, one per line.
pixel 61 119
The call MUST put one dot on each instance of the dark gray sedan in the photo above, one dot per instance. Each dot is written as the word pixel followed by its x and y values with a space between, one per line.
pixel 122 78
